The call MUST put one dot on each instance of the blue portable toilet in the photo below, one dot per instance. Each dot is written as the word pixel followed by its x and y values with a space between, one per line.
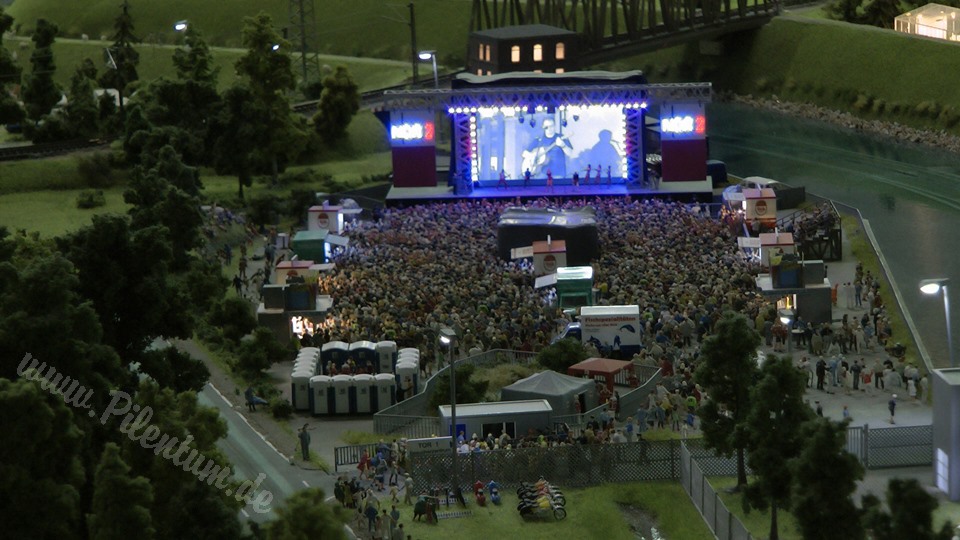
pixel 321 395
pixel 365 391
pixel 364 353
pixel 387 355
pixel 386 391
pixel 334 351
pixel 300 389
pixel 343 388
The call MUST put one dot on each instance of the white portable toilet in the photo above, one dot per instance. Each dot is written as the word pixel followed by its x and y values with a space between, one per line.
pixel 306 351
pixel 364 384
pixel 306 365
pixel 386 391
pixel 407 375
pixel 386 356
pixel 321 394
pixel 409 350
pixel 342 385
pixel 300 389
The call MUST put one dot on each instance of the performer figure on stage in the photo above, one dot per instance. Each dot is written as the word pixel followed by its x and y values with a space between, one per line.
pixel 597 178
pixel 576 179
pixel 503 179
pixel 549 152
pixel 609 175
pixel 526 178
pixel 550 179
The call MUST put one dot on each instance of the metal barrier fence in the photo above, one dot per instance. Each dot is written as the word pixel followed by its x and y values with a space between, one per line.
pixel 724 525
pixel 350 455
pixel 883 448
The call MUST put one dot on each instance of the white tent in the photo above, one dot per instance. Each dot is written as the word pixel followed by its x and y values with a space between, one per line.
pixel 558 389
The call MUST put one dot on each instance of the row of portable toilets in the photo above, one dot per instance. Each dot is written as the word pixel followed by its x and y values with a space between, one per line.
pixel 353 394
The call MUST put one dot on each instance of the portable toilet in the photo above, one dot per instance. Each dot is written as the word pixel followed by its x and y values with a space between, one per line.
pixel 409 359
pixel 305 365
pixel 386 391
pixel 300 389
pixel 321 394
pixel 309 352
pixel 364 353
pixel 407 379
pixel 364 384
pixel 334 351
pixel 386 355
pixel 342 385
pixel 412 350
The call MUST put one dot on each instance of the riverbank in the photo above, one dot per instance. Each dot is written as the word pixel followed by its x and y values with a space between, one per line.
pixel 893 130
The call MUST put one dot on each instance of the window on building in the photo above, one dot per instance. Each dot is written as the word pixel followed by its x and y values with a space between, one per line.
pixel 538 71
pixel 515 54
pixel 538 53
pixel 480 52
pixel 479 72
pixel 559 70
pixel 487 55
pixel 561 53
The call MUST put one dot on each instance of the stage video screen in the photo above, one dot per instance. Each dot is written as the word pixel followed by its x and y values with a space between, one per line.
pixel 560 141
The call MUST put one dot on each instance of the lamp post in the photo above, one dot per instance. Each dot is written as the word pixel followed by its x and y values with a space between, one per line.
pixel 933 286
pixel 431 55
pixel 448 338
pixel 180 26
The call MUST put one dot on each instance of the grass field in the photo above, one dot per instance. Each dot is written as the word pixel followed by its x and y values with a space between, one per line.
pixel 52 213
pixel 757 522
pixel 591 513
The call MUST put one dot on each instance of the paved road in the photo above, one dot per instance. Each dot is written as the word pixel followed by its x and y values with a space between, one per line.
pixel 251 455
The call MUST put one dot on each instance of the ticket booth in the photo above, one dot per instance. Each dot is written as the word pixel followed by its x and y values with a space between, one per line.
pixel 773 246
pixel 760 205
pixel 342 388
pixel 311 246
pixel 365 390
pixel 300 389
pixel 288 272
pixel 321 394
pixel 386 391
pixel 548 256
pixel 364 353
pixel 386 356
pixel 335 352
pixel 325 218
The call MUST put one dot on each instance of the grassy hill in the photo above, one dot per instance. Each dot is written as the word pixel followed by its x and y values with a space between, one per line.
pixel 872 72
pixel 374 28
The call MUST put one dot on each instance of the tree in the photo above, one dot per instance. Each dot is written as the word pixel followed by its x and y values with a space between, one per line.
pixel 121 504
pixel 880 13
pixel 561 355
pixel 825 477
pixel 306 514
pixel 910 516
pixel 193 61
pixel 40 468
pixel 339 103
pixel 258 354
pixel 774 426
pixel 844 10
pixel 40 92
pixel 82 110
pixel 122 56
pixel 728 368
pixel 469 390
pixel 10 111
pixel 175 369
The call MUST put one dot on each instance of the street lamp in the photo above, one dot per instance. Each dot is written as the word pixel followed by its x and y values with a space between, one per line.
pixel 448 338
pixel 431 55
pixel 933 286
pixel 180 26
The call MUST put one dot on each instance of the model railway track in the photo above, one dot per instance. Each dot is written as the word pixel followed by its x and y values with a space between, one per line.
pixel 373 96
pixel 35 151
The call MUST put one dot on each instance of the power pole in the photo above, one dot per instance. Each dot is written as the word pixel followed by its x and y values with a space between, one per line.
pixel 303 23
pixel 414 53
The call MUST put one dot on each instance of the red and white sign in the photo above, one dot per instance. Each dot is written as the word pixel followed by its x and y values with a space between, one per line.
pixel 549 263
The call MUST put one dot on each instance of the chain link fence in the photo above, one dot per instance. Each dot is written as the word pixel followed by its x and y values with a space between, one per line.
pixel 724 525
pixel 885 448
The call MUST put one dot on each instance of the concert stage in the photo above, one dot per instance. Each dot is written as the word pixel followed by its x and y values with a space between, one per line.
pixel 549 135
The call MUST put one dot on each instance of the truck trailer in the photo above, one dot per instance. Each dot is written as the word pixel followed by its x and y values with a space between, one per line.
pixel 613 330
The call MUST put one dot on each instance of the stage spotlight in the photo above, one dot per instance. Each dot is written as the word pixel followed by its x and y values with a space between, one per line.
pixel 533 122
pixel 576 118
pixel 520 118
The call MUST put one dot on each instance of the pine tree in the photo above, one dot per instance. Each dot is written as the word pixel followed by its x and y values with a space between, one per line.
pixel 82 110
pixel 10 111
pixel 122 56
pixel 40 92
pixel 339 102
pixel 121 504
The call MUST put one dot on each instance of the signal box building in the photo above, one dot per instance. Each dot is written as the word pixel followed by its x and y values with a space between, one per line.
pixel 537 48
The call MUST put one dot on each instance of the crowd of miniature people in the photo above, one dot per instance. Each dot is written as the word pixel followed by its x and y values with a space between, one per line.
pixel 808 224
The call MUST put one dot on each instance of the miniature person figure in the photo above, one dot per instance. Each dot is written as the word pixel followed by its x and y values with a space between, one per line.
pixel 576 179
pixel 503 179
pixel 597 178
pixel 609 175
pixel 550 180
pixel 526 178
pixel 305 442
pixel 408 489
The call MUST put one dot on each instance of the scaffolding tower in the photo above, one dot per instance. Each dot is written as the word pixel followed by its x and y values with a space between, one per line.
pixel 303 36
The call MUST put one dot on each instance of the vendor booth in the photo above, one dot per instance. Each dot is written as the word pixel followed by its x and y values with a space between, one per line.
pixel 612 372
pixel 548 256
pixel 325 218
pixel 561 391
pixel 760 205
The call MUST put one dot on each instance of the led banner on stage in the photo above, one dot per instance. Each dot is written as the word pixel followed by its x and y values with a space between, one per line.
pixel 559 140
pixel 682 121
pixel 412 128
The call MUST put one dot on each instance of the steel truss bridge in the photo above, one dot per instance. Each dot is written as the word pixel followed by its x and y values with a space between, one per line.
pixel 614 28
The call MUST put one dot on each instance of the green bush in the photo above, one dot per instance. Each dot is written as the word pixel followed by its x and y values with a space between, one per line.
pixel 281 409
pixel 790 85
pixel 948 116
pixel 863 102
pixel 97 170
pixel 264 210
pixel 763 84
pixel 89 198
pixel 879 106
